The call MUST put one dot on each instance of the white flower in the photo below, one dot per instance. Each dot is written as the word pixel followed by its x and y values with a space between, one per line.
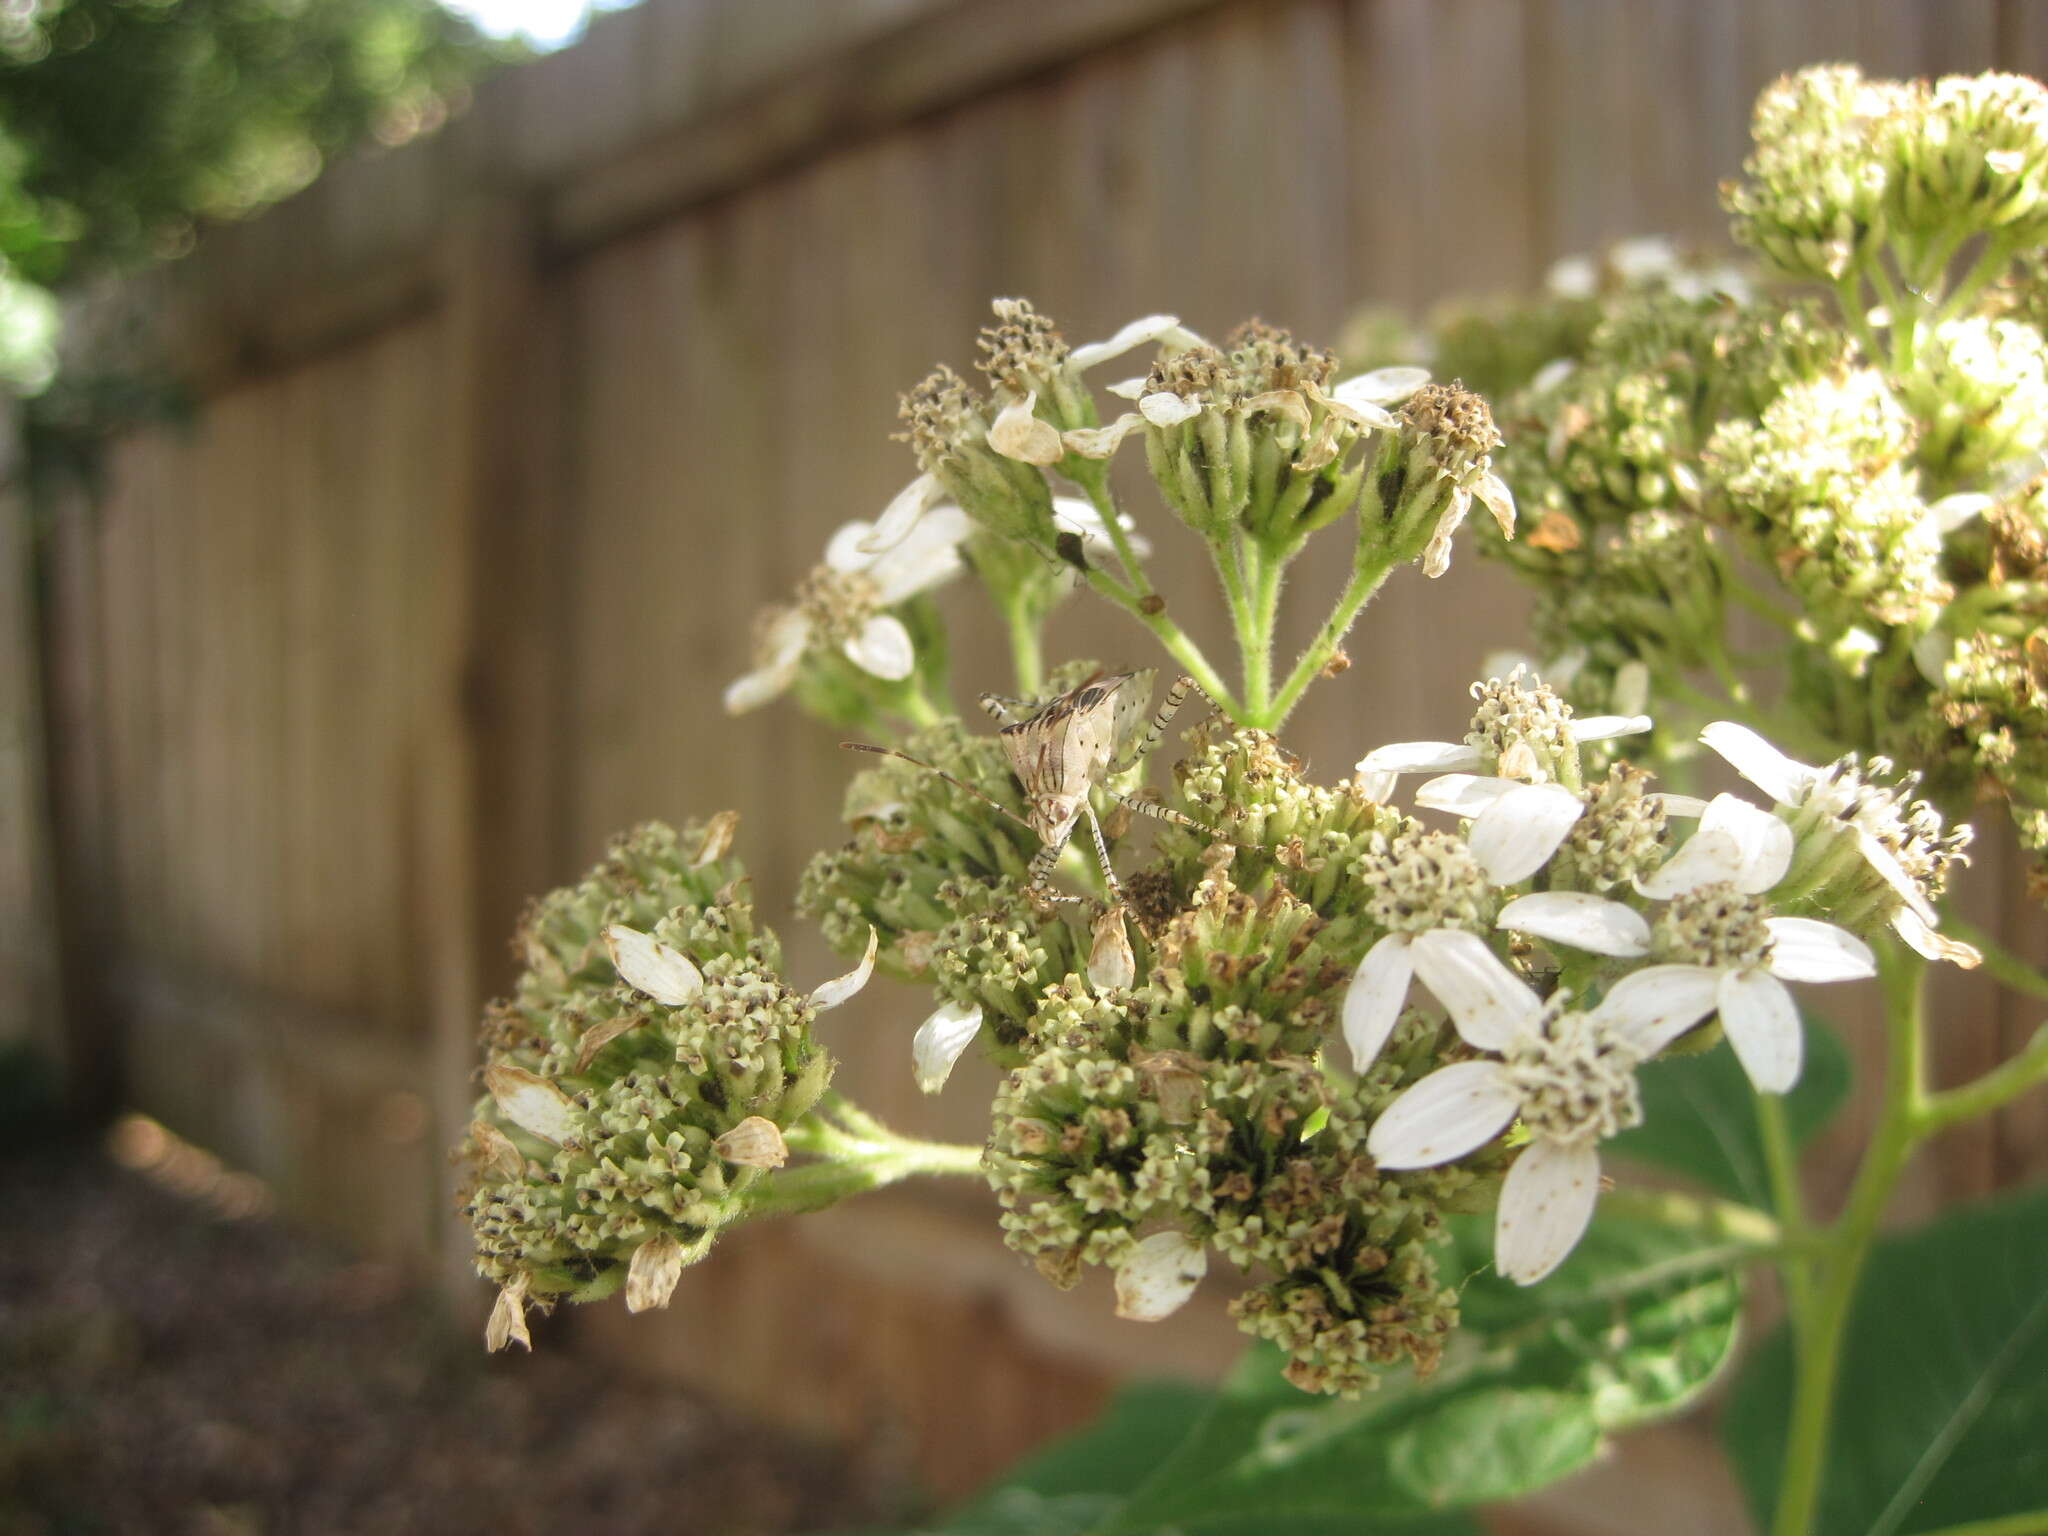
pixel 647 965
pixel 1458 756
pixel 1515 827
pixel 1158 1275
pixel 832 993
pixel 1568 1077
pixel 926 557
pixel 939 1042
pixel 1758 1013
pixel 1842 798
pixel 1483 997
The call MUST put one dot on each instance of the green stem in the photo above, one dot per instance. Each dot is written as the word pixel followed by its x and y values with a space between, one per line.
pixel 1104 501
pixel 1739 1225
pixel 1365 581
pixel 1856 315
pixel 1981 1095
pixel 1027 650
pixel 1991 261
pixel 855 1157
pixel 1781 1158
pixel 1229 555
pixel 1170 635
pixel 1838 1264
pixel 2033 1522
pixel 1999 962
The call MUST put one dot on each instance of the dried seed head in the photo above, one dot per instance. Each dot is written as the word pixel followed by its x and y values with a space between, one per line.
pixel 942 414
pixel 651 1277
pixel 1023 349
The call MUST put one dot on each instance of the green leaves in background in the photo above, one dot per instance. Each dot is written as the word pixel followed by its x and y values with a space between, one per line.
pixel 1699 1115
pixel 1941 1415
pixel 1631 1329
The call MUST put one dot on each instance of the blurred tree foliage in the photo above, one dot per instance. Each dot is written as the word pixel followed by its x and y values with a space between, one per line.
pixel 123 123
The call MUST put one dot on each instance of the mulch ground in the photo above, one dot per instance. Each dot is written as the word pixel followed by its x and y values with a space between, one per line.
pixel 168 1367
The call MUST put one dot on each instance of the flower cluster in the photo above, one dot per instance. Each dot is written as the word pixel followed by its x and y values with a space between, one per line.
pixel 1185 1105
pixel 1864 473
pixel 638 1080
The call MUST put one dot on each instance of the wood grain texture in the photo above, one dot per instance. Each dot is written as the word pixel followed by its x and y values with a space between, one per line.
pixel 505 438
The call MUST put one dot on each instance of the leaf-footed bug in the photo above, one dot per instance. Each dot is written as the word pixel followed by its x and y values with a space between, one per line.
pixel 1061 748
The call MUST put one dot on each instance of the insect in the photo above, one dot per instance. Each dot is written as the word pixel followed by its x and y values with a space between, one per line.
pixel 1061 748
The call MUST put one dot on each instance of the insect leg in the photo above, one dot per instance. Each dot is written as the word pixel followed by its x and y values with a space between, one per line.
pixel 1042 862
pixel 1176 696
pixel 1116 892
pixel 1003 709
pixel 1160 812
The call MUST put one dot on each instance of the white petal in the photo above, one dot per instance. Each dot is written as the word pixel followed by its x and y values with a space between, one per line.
pixel 1446 1115
pixel 1487 1001
pixel 1419 757
pixel 1648 1009
pixel 939 1042
pixel 1805 950
pixel 1770 770
pixel 928 557
pixel 1377 786
pixel 836 991
pixel 844 551
pixel 787 639
pixel 1762 1023
pixel 1079 516
pixel 1516 835
pixel 651 1277
pixel 1893 873
pixel 1158 1275
pixel 647 965
pixel 883 649
pixel 1572 277
pixel 1493 494
pixel 507 1324
pixel 1017 433
pixel 1552 374
pixel 1436 555
pixel 1583 921
pixel 1148 328
pixel 902 513
pixel 1128 389
pixel 1952 512
pixel 1707 858
pixel 1920 937
pixel 1373 1001
pixel 1680 805
pixel 1545 1203
pixel 1463 794
pixel 1110 961
pixel 1607 727
pixel 1164 408
pixel 1764 843
pixel 1360 413
pixel 1101 442
pixel 533 1103
pixel 1382 386
pixel 755 689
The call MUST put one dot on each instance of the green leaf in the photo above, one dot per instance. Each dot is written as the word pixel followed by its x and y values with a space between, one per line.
pixel 1941 1412
pixel 1699 1115
pixel 1624 1332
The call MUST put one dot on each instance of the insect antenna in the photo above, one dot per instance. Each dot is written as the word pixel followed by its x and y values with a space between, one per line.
pixel 861 746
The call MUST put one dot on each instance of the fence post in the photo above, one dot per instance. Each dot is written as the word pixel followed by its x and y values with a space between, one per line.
pixel 483 803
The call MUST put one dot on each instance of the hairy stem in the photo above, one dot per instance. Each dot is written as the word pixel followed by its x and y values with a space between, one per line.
pixel 1981 1095
pixel 1365 581
pixel 1838 1263
pixel 1170 635
pixel 1782 1160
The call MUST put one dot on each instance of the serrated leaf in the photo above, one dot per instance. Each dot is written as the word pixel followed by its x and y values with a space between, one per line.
pixel 1699 1115
pixel 1941 1409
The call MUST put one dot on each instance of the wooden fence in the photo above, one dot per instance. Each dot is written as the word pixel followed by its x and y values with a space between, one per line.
pixel 501 438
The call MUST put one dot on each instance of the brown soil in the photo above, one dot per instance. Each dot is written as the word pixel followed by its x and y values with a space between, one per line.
pixel 167 1369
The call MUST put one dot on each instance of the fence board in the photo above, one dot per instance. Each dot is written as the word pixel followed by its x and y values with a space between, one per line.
pixel 445 583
